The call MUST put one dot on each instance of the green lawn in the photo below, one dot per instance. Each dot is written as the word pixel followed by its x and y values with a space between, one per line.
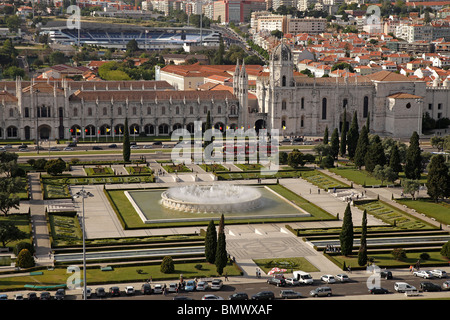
pixel 238 175
pixel 122 274
pixel 392 215
pixel 249 166
pixel 213 167
pixel 440 211
pixel 138 170
pixel 65 229
pixel 172 168
pixel 323 180
pixel 99 171
pixel 298 263
pixel 361 177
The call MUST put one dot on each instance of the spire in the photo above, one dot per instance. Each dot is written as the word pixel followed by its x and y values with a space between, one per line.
pixel 243 73
pixel 236 72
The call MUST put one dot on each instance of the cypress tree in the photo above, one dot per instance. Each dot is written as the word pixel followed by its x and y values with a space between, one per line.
pixel 375 154
pixel 208 127
pixel 211 242
pixel 352 137
pixel 325 136
pixel 362 253
pixel 413 164
pixel 361 148
pixel 221 252
pixel 343 145
pixel 335 143
pixel 126 142
pixel 438 180
pixel 346 235
pixel 394 159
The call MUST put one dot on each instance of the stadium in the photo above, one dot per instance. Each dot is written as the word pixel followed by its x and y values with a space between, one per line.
pixel 116 36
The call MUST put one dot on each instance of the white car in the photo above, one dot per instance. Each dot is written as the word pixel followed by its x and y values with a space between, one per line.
pixel 423 274
pixel 216 284
pixel 342 277
pixel 134 147
pixel 438 273
pixel 18 296
pixel 328 278
pixel 403 287
pixel 292 282
pixel 88 292
pixel 211 297
pixel 202 286
pixel 446 285
pixel 68 149
pixel 129 290
pixel 172 287
pixel 157 288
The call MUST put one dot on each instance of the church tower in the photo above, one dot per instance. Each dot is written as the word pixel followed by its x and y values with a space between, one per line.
pixel 281 67
pixel 240 90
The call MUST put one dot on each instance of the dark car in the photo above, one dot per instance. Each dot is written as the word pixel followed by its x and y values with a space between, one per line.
pixel 429 286
pixel 157 143
pixel 32 296
pixel 45 296
pixel 97 148
pixel 182 298
pixel 72 144
pixel 146 288
pixel 100 292
pixel 386 274
pixel 277 282
pixel 114 291
pixel 60 294
pixel 239 296
pixel 112 145
pixel 378 291
pixel 264 295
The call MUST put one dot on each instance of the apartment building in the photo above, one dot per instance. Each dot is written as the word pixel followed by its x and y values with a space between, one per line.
pixel 307 25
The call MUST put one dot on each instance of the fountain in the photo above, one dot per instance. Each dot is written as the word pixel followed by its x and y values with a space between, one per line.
pixel 217 198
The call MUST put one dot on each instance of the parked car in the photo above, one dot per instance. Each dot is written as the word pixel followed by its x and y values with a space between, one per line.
pixel 292 282
pixel 216 284
pixel 211 297
pixel 157 288
pixel 97 148
pixel 32 296
pixel 321 292
pixel 182 298
pixel 112 146
pixel 68 149
pixel 146 288
pixel 290 294
pixel 39 148
pixel 129 290
pixel 378 290
pixel 386 274
pixel 53 149
pixel 328 278
pixel 18 296
pixel 100 292
pixel 403 287
pixel 3 297
pixel 172 287
pixel 342 277
pixel 45 296
pixel 423 274
pixel 429 286
pixel 438 273
pixel 264 295
pixel 446 285
pixel 157 143
pixel 60 294
pixel 238 296
pixel 303 277
pixel 147 146
pixel 2 149
pixel 202 286
pixel 134 147
pixel 190 285
pixel 88 292
pixel 114 292
pixel 277 282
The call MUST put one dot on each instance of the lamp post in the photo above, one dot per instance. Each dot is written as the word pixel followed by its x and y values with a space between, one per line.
pixel 83 194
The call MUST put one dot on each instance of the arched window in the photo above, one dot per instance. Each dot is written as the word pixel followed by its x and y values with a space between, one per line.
pixel 11 113
pixel 366 107
pixel 105 111
pixel 283 82
pixel 163 110
pixel 283 105
pixel 345 103
pixel 75 112
pixel 11 132
pixel 302 121
pixel 90 130
pixel 302 104
pixel 219 109
pixel 177 110
pixel 191 110
pixel 233 109
pixel 163 129
pixel 149 110
pixel 89 112
pixel 205 109
pixel 27 112
pixel 119 111
pixel 149 129
pixel 324 108
pixel 60 112
pixel 134 111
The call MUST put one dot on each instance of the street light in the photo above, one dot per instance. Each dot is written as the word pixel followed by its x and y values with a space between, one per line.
pixel 83 194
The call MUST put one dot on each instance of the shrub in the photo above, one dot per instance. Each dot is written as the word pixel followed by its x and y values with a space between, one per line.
pixel 399 254
pixel 167 265
pixel 23 245
pixel 25 259
pixel 445 251
pixel 198 266
pixel 424 256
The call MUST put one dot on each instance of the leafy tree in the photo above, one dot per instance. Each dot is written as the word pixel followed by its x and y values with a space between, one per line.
pixel 384 173
pixel 126 142
pixel 445 250
pixel 325 136
pixel 55 166
pixel 132 46
pixel 410 186
pixel 362 253
pixel 343 145
pixel 334 143
pixel 295 159
pixel 57 57
pixel 167 265
pixel 399 254
pixel 413 165
pixel 346 235
pixel 352 137
pixel 375 154
pixel 342 66
pixel 13 23
pixel 322 150
pixel 25 259
pixel 221 252
pixel 327 162
pixel 361 148
pixel 13 72
pixel 394 160
pixel 9 232
pixel 438 179
pixel 211 242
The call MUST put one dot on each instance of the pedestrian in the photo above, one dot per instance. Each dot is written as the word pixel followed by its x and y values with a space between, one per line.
pixel 411 268
pixel 226 276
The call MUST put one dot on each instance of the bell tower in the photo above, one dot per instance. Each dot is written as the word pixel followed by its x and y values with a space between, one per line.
pixel 282 67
